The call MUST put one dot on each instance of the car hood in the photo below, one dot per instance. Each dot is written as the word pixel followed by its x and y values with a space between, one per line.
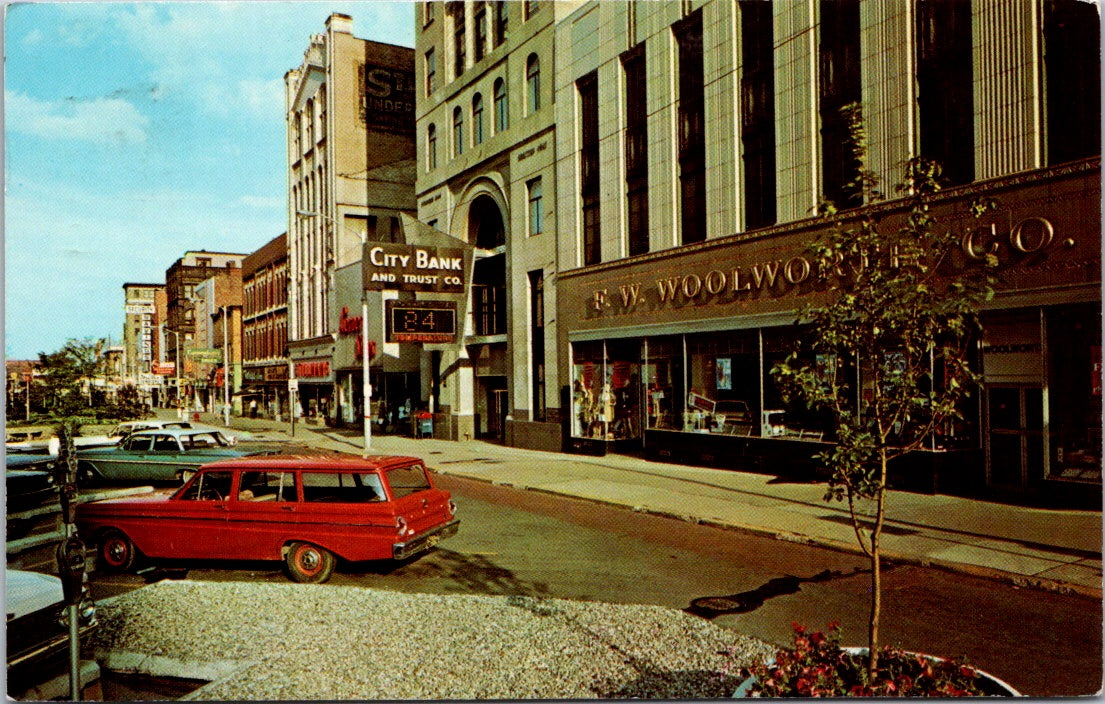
pixel 27 592
pixel 153 497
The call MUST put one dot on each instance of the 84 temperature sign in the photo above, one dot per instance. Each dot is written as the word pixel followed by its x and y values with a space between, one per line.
pixel 421 321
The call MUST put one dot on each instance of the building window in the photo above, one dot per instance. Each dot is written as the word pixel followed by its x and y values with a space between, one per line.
pixel 1072 65
pixel 501 115
pixel 458 131
pixel 431 147
pixel 536 213
pixel 537 341
pixel 945 96
pixel 427 13
pixel 636 150
pixel 692 142
pixel 481 33
pixel 477 119
pixel 500 22
pixel 459 43
pixel 533 82
pixel 431 72
pixel 839 85
pixel 757 106
pixel 589 164
pixel 529 7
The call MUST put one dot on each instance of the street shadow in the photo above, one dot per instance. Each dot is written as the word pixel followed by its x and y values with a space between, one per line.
pixel 709 607
pixel 470 573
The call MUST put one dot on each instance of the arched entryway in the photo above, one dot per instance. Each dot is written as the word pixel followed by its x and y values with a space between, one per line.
pixel 486 230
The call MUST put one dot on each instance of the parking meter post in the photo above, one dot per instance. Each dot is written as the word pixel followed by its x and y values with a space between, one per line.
pixel 71 571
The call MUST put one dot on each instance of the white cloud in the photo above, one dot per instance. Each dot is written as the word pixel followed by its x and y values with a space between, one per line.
pixel 103 120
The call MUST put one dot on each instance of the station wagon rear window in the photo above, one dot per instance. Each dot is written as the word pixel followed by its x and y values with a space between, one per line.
pixel 405 481
pixel 342 487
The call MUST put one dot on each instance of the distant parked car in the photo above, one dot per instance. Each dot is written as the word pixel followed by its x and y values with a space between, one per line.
pixel 127 427
pixel 165 455
pixel 38 630
pixel 304 510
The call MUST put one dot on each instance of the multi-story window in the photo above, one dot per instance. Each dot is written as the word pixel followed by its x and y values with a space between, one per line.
pixel 636 150
pixel 459 40
pixel 431 147
pixel 500 22
pixel 588 88
pixel 529 7
pixel 536 212
pixel 533 83
pixel 692 142
pixel 945 99
pixel 477 119
pixel 502 119
pixel 431 71
pixel 757 106
pixel 1072 66
pixel 458 131
pixel 481 33
pixel 537 341
pixel 838 86
pixel 427 13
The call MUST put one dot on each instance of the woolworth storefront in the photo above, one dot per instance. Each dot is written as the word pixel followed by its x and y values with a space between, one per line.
pixel 670 352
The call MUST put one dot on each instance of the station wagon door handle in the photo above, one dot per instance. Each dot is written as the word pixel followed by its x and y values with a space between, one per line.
pixel 287 507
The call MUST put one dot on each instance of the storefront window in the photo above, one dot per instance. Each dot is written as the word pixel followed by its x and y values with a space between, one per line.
pixel 724 378
pixel 606 390
pixel 793 419
pixel 662 373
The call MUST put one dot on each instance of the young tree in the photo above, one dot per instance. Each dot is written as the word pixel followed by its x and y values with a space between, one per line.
pixel 65 372
pixel 906 320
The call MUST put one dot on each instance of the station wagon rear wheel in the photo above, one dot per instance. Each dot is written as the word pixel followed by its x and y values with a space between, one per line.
pixel 117 552
pixel 309 563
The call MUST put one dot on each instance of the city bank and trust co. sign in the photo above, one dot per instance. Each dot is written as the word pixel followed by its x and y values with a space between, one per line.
pixel 401 267
pixel 776 277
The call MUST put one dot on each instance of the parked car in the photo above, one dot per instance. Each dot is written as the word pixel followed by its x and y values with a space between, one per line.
pixel 122 430
pixel 165 455
pixel 38 626
pixel 304 510
pixel 28 481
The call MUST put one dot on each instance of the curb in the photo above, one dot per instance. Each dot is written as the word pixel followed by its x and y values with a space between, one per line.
pixel 991 573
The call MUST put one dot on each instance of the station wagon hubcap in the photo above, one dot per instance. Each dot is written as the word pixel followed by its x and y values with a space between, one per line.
pixel 309 560
pixel 115 551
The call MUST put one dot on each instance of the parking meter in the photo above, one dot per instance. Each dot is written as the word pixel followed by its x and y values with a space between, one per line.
pixel 71 564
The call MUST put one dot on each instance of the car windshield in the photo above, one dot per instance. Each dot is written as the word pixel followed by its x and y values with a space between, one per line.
pixel 407 480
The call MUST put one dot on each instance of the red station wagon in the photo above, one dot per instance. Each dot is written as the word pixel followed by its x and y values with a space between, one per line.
pixel 304 510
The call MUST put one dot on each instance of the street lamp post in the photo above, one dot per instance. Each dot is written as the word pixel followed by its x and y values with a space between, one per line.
pixel 366 385
pixel 226 370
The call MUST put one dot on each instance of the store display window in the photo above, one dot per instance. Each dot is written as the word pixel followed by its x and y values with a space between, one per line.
pixel 606 390
pixel 724 379
pixel 1074 394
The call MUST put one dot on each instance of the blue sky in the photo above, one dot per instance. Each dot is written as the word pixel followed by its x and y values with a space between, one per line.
pixel 136 131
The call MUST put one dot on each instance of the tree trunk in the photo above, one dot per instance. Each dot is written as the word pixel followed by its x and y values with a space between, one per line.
pixel 876 571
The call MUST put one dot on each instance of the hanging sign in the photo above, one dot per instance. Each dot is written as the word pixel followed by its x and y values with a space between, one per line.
pixel 401 267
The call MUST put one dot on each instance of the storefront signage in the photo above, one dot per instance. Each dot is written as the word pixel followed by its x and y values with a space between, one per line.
pixel 276 373
pixel 313 370
pixel 205 355
pixel 398 267
pixel 777 277
pixel 163 368
pixel 351 325
pixel 421 321
pixel 139 309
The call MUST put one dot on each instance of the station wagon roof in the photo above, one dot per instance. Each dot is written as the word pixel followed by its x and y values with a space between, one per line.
pixel 313 462
pixel 176 432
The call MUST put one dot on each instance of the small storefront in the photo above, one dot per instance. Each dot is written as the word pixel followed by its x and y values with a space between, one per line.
pixel 267 385
pixel 671 353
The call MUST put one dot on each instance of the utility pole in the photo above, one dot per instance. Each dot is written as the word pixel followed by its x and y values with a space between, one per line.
pixel 226 370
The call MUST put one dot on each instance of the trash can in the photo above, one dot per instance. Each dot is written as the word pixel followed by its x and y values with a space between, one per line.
pixel 424 425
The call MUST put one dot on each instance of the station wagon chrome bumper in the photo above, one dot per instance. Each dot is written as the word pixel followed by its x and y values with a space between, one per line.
pixel 425 541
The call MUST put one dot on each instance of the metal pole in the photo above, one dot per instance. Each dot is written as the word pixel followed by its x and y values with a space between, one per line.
pixel 226 370
pixel 74 653
pixel 176 369
pixel 366 382
pixel 27 381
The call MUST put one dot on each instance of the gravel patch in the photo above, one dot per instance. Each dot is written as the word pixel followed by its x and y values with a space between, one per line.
pixel 310 642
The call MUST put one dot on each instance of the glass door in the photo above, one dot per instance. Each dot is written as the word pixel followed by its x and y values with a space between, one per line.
pixel 1014 448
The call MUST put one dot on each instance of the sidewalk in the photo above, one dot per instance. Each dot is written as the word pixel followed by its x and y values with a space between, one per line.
pixel 1058 550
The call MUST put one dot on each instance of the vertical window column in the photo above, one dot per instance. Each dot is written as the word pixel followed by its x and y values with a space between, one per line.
pixel 636 149
pixel 537 341
pixel 757 106
pixel 839 85
pixel 692 142
pixel 589 166
pixel 945 86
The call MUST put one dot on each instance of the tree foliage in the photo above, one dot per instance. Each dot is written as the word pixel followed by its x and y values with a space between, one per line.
pixel 906 319
pixel 66 376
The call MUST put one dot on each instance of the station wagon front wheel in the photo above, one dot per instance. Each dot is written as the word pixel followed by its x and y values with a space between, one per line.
pixel 117 552
pixel 309 563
